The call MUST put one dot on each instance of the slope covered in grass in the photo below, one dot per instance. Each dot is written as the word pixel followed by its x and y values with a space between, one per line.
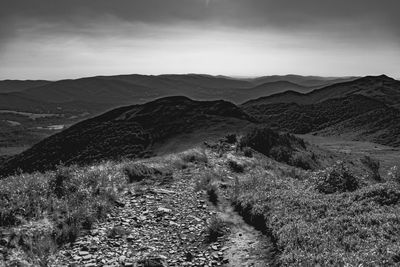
pixel 327 217
pixel 130 132
pixel 356 117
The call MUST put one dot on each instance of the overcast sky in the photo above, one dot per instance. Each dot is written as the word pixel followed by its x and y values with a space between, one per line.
pixel 54 39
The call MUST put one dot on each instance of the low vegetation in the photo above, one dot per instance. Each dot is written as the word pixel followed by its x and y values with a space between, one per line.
pixel 215 229
pixel 58 205
pixel 337 178
pixel 137 172
pixel 281 147
pixel 325 218
pixel 394 174
pixel 373 166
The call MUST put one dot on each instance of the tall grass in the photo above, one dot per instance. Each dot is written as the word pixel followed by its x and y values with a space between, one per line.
pixel 70 198
pixel 343 228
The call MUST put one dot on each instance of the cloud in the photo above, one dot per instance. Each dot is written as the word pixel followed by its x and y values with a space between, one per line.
pixel 327 28
pixel 289 14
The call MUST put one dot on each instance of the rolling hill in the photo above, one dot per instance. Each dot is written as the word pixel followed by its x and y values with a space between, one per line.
pixel 105 92
pixel 8 86
pixel 382 88
pixel 365 109
pixel 131 131
pixel 306 81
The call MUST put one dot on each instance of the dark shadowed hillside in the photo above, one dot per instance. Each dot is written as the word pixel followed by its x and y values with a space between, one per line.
pixel 8 86
pixel 130 132
pixel 356 117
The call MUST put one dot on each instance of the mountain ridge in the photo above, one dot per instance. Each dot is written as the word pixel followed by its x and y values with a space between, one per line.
pixel 131 132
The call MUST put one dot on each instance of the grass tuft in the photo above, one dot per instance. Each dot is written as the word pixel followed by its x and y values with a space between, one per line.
pixel 215 229
pixel 373 166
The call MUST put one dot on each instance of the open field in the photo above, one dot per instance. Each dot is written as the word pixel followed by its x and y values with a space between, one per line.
pixel 354 150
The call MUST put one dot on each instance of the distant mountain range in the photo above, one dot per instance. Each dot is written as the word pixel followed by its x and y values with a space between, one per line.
pixel 98 94
pixel 363 109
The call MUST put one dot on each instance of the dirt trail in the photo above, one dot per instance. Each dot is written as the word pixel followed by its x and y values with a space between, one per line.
pixel 245 246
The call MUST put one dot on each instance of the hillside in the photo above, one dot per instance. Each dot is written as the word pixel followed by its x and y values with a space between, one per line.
pixel 112 91
pixel 306 81
pixel 218 205
pixel 8 86
pixel 131 132
pixel 355 117
pixel 382 88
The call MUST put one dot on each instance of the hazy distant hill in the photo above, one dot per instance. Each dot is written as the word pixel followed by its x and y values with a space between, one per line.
pixel 382 88
pixel 306 81
pixel 8 86
pixel 105 92
pixel 364 109
pixel 132 131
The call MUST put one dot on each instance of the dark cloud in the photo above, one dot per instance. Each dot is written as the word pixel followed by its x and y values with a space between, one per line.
pixel 358 26
pixel 290 14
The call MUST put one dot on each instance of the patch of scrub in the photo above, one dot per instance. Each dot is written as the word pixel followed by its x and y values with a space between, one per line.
pixel 52 127
pixel 13 123
pixel 32 116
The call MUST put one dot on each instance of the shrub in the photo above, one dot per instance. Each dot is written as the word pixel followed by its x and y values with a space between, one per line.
pixel 212 193
pixel 373 165
pixel 382 194
pixel 303 161
pixel 235 166
pixel 215 229
pixel 281 147
pixel 203 182
pixel 230 139
pixel 116 231
pixel 394 174
pixel 335 179
pixel 194 156
pixel 136 172
pixel 62 184
pixel 247 152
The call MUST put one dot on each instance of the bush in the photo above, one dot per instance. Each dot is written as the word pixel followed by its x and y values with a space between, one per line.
pixel 394 174
pixel 137 172
pixel 231 139
pixel 235 166
pixel 335 179
pixel 212 193
pixel 194 156
pixel 215 229
pixel 303 161
pixel 247 152
pixel 62 183
pixel 203 182
pixel 281 147
pixel 382 194
pixel 373 165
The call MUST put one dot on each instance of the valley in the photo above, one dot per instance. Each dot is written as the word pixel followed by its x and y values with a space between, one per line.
pixel 179 181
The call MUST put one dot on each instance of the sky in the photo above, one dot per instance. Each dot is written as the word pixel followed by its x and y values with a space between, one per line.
pixel 54 39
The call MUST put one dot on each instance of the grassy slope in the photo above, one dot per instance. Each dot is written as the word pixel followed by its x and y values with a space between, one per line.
pixel 356 116
pixel 309 227
pixel 130 132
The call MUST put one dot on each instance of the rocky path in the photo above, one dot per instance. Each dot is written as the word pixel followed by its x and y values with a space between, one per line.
pixel 246 246
pixel 158 226
pixel 166 225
